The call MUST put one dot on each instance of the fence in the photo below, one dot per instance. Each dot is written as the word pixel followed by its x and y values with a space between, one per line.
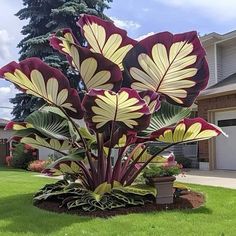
pixel 4 151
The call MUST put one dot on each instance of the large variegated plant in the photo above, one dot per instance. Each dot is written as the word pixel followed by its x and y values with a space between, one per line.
pixel 135 93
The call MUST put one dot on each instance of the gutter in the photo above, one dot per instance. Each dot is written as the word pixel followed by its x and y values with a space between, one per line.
pixel 219 94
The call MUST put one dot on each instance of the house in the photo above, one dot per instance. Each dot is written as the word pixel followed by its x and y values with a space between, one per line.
pixel 4 145
pixel 217 104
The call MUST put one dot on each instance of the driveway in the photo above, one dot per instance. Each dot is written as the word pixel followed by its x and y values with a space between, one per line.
pixel 217 178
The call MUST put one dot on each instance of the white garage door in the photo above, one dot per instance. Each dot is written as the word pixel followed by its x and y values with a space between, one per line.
pixel 226 147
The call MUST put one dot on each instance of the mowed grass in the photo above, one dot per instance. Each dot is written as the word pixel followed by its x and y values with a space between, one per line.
pixel 19 217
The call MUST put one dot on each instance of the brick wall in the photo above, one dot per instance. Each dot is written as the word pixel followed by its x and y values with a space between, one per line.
pixel 204 106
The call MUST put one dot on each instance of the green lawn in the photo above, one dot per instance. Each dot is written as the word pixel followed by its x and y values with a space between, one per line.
pixel 19 217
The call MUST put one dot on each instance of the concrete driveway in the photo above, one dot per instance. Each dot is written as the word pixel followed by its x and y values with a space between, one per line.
pixel 217 178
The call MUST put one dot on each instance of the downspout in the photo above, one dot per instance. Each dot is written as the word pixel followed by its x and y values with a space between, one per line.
pixel 216 68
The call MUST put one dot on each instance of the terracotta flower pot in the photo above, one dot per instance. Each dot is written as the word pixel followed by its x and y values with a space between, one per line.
pixel 164 186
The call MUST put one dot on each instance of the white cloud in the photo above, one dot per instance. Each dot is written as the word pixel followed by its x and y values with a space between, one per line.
pixel 144 36
pixel 126 24
pixel 5 41
pixel 5 90
pixel 6 93
pixel 217 10
pixel 10 27
pixel 146 9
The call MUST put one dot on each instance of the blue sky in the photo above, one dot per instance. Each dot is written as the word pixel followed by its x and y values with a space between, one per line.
pixel 138 17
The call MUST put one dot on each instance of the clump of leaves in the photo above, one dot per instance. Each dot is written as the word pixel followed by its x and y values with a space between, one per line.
pixel 74 195
pixel 135 93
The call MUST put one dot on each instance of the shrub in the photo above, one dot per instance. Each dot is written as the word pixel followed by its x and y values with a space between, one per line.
pixel 38 165
pixel 185 162
pixel 22 155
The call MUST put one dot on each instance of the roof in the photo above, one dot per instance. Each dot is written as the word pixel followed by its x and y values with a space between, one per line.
pixel 218 38
pixel 212 35
pixel 3 122
pixel 226 86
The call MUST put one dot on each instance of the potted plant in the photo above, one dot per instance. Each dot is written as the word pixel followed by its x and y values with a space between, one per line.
pixel 132 94
pixel 162 176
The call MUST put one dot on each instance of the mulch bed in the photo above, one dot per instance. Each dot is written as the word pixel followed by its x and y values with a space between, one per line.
pixel 190 200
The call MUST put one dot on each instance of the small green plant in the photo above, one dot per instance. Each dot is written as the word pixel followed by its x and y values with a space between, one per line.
pixel 155 170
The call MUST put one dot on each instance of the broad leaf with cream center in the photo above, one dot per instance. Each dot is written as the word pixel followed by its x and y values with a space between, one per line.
pixel 105 38
pixel 187 130
pixel 173 65
pixel 35 77
pixel 95 70
pixel 124 108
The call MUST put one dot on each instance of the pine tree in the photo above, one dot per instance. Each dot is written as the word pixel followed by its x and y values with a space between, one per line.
pixel 45 17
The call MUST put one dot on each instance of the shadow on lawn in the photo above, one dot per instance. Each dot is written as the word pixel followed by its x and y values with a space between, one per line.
pixel 200 210
pixel 7 169
pixel 20 216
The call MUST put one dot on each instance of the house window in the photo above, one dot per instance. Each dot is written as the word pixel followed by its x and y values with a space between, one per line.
pixel 226 123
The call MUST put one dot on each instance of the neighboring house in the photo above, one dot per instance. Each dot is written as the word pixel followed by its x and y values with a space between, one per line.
pixel 4 145
pixel 217 104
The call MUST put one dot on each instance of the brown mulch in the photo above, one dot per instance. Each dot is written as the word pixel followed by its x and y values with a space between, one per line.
pixel 190 200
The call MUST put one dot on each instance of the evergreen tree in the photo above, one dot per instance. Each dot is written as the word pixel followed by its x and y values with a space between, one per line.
pixel 45 17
